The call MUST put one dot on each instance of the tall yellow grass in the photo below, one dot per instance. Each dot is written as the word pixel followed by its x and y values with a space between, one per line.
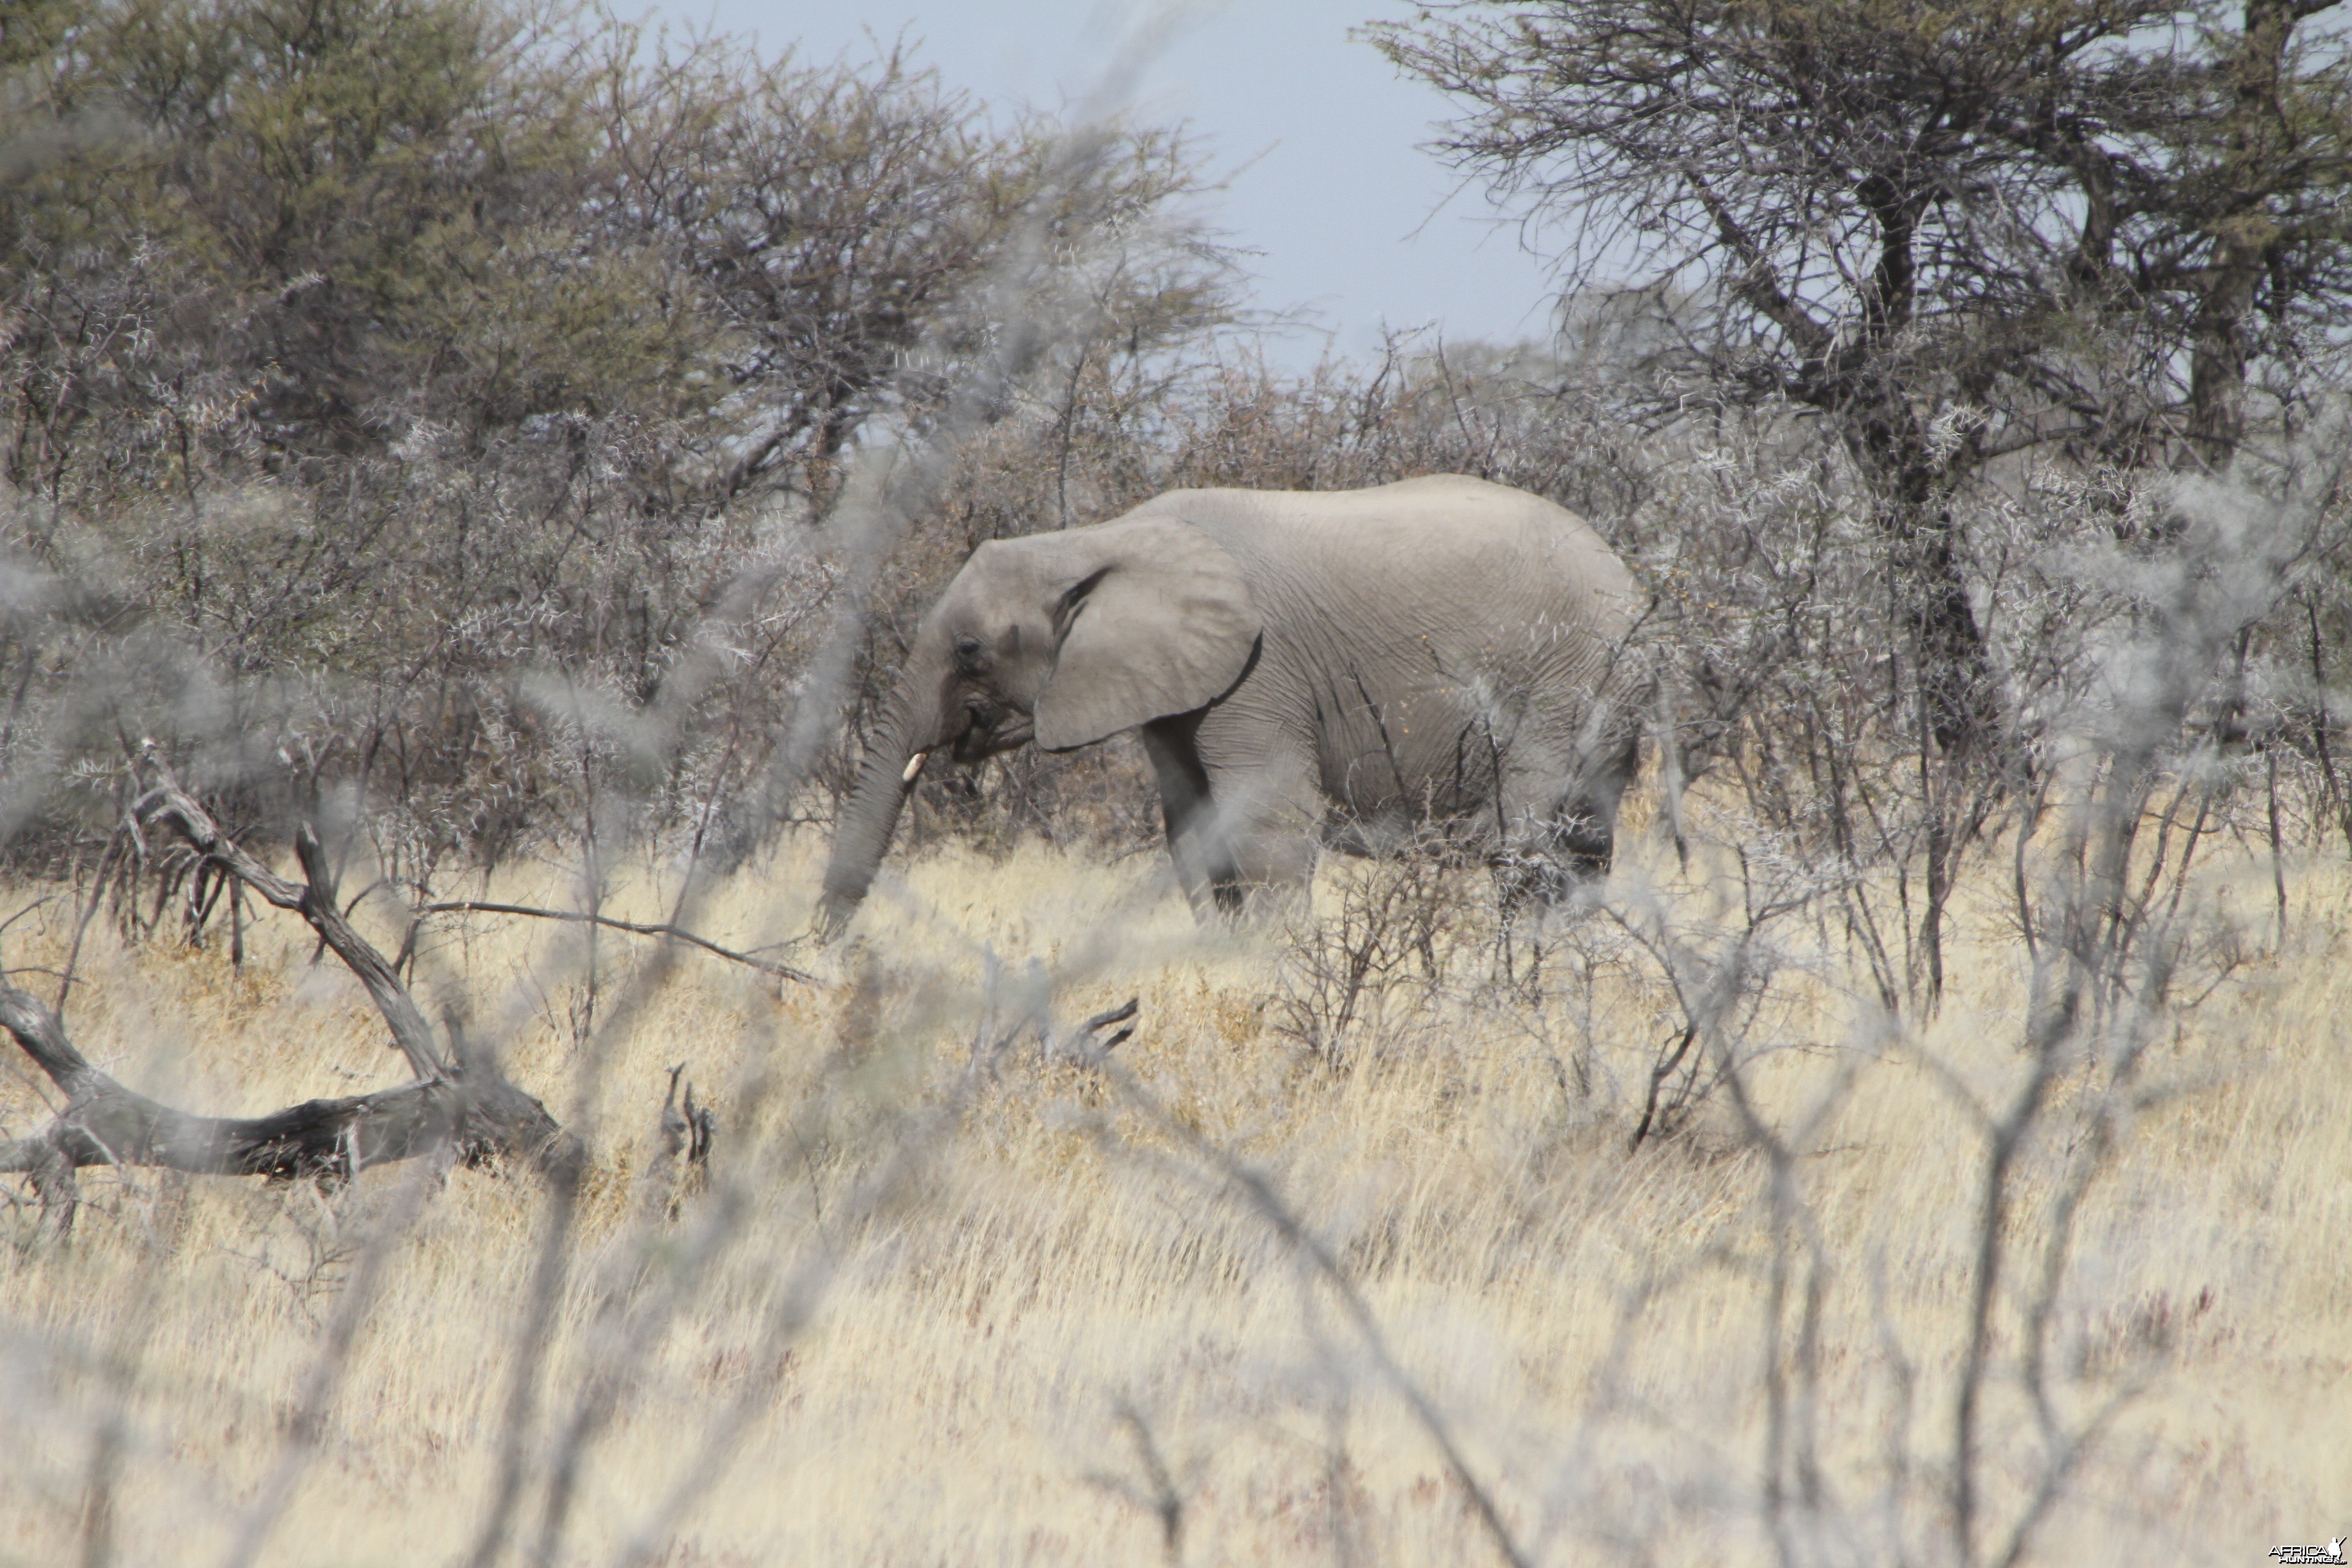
pixel 1058 1315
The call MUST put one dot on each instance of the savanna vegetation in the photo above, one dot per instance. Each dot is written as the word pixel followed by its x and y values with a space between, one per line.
pixel 471 469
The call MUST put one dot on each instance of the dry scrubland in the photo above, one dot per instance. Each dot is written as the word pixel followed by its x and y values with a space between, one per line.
pixel 1062 1312
pixel 365 489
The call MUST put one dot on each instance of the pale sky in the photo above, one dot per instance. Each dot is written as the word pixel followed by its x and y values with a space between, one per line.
pixel 1317 133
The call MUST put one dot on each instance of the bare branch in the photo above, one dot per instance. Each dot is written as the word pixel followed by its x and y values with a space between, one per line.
pixel 764 965
pixel 316 903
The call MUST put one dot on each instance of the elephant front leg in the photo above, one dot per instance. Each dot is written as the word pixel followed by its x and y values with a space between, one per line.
pixel 1184 808
pixel 1267 825
pixel 1239 831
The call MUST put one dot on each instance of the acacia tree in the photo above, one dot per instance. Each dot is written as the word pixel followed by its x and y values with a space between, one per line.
pixel 1952 232
pixel 843 225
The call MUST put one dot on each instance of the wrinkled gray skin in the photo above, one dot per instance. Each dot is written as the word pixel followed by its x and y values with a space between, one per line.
pixel 1329 667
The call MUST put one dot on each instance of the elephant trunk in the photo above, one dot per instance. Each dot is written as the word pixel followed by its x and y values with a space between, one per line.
pixel 863 826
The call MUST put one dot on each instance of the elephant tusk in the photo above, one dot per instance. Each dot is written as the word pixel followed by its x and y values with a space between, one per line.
pixel 914 766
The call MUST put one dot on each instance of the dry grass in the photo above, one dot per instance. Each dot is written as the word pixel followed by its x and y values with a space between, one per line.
pixel 1059 1303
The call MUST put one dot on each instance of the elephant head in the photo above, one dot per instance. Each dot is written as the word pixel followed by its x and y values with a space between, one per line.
pixel 1060 638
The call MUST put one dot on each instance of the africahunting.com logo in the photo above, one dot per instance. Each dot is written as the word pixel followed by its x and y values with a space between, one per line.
pixel 2331 1552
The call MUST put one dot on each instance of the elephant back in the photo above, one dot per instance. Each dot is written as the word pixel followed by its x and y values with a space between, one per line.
pixel 1476 566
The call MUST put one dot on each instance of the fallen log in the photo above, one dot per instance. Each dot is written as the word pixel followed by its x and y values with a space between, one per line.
pixel 103 1123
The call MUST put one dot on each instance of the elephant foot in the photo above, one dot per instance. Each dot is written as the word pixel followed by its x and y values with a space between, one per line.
pixel 1566 872
pixel 1235 902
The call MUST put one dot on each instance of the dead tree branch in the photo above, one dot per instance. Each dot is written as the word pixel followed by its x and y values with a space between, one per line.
pixel 494 1116
pixel 411 1034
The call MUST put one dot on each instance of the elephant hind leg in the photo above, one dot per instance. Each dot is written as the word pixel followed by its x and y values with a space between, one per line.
pixel 1568 840
pixel 1568 851
pixel 1584 832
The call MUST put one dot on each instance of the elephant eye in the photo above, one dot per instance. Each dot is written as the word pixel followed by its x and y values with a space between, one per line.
pixel 968 656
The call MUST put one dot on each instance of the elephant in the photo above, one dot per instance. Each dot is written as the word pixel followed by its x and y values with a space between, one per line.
pixel 1307 669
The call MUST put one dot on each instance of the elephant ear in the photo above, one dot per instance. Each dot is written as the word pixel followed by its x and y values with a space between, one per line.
pixel 1160 623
